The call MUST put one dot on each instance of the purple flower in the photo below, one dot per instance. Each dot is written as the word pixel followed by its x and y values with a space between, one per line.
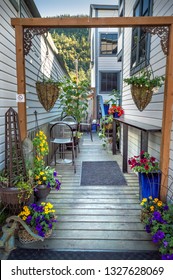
pixel 165 243
pixel 49 185
pixel 167 257
pixel 165 208
pixel 55 173
pixel 160 234
pixel 50 226
pixel 41 233
pixel 147 228
pixel 38 227
pixel 28 220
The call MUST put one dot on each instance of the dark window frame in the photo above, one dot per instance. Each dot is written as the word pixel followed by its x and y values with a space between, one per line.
pixel 101 44
pixel 15 4
pixel 140 46
pixel 109 87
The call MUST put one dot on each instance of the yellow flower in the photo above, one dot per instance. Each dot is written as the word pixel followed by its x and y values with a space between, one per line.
pixel 144 200
pixel 39 182
pixel 24 218
pixel 49 205
pixel 155 200
pixel 159 203
pixel 142 203
pixel 150 197
pixel 42 149
pixel 44 178
pixel 151 208
pixel 41 173
pixel 37 177
pixel 41 144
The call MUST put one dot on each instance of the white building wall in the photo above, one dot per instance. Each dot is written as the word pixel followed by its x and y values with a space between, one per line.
pixel 152 114
pixel 8 80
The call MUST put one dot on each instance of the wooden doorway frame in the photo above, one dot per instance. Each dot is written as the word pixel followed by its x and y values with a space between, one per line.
pixel 21 23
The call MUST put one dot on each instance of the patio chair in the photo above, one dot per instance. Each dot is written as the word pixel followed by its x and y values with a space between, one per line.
pixel 70 120
pixel 86 125
pixel 61 135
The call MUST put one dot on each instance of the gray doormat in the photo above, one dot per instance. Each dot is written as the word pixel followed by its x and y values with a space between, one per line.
pixel 102 173
pixel 33 254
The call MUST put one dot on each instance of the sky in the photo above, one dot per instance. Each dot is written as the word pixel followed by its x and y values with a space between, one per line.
pixel 51 8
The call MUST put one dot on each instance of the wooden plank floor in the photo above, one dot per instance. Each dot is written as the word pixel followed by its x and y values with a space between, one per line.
pixel 96 217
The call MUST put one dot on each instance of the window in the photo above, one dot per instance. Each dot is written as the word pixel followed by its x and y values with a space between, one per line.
pixel 108 82
pixel 15 4
pixel 140 39
pixel 108 44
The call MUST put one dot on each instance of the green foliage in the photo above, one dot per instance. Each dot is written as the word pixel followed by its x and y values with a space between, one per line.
pixel 73 44
pixel 145 79
pixel 73 98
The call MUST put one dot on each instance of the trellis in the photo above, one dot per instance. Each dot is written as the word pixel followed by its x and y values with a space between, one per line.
pixel 154 23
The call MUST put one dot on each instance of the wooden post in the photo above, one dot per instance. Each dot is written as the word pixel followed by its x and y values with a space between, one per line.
pixel 167 119
pixel 21 86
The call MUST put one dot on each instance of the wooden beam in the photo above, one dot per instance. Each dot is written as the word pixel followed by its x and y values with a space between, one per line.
pixel 167 119
pixel 21 86
pixel 92 22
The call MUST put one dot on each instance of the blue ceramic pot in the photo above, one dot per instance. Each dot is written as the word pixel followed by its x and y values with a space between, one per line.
pixel 106 109
pixel 149 185
pixel 115 115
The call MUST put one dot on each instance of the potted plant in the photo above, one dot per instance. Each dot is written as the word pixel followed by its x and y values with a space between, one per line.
pixel 48 91
pixel 149 174
pixel 15 195
pixel 74 98
pixel 143 86
pixel 159 223
pixel 40 219
pixel 116 111
pixel 45 177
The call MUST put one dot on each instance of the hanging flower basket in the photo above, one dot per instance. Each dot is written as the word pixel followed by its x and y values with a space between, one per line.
pixel 143 86
pixel 141 96
pixel 48 94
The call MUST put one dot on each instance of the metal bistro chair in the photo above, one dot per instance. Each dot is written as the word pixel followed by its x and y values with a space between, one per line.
pixel 86 125
pixel 70 120
pixel 61 134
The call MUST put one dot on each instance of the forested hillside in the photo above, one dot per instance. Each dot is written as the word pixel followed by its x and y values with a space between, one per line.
pixel 73 45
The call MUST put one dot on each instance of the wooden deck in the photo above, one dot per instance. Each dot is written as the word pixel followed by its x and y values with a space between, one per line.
pixel 96 217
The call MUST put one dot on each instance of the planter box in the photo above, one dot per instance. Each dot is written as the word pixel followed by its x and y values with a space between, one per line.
pixel 149 185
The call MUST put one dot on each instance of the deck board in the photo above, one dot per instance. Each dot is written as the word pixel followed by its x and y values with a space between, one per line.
pixel 96 217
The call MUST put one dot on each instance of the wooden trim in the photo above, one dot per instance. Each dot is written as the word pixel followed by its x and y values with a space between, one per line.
pixel 167 119
pixel 92 22
pixel 21 85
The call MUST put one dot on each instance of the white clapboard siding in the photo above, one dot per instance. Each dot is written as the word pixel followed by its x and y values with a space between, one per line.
pixel 153 112
pixel 8 80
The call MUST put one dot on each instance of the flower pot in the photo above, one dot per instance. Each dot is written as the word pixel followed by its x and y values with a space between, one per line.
pixel 25 237
pixel 41 193
pixel 14 199
pixel 149 184
pixel 106 109
pixel 115 115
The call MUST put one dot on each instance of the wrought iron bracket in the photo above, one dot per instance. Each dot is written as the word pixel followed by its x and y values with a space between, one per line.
pixel 163 33
pixel 29 34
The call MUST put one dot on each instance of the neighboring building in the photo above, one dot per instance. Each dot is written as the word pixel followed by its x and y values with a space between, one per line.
pixel 105 68
pixel 36 57
pixel 140 49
